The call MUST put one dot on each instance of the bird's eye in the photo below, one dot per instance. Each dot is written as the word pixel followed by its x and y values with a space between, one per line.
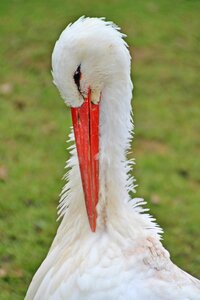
pixel 77 77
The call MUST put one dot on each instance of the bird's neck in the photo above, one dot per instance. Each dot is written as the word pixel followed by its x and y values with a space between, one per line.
pixel 114 209
pixel 114 182
pixel 115 135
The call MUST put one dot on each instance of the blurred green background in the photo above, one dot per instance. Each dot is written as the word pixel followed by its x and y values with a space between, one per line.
pixel 34 123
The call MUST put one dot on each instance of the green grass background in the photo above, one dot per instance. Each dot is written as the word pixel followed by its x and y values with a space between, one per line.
pixel 34 123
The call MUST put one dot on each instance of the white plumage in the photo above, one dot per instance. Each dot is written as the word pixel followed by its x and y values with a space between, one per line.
pixel 124 258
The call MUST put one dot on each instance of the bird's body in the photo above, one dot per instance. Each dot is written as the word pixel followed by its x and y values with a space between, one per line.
pixel 123 258
pixel 100 268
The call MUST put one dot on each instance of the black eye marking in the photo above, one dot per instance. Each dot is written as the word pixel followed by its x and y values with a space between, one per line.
pixel 77 78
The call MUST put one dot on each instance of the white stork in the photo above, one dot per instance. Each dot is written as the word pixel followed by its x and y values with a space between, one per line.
pixel 106 247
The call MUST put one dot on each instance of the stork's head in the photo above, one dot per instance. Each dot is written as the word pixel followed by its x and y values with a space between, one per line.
pixel 89 55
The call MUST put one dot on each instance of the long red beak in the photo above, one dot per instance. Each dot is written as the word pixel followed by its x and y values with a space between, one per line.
pixel 86 130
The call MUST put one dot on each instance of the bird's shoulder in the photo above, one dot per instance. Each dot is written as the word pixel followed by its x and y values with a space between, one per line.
pixel 155 255
pixel 163 271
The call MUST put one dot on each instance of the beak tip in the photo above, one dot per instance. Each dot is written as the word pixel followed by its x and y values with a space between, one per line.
pixel 93 224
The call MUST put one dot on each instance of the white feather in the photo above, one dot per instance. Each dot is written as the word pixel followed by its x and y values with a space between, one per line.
pixel 124 258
